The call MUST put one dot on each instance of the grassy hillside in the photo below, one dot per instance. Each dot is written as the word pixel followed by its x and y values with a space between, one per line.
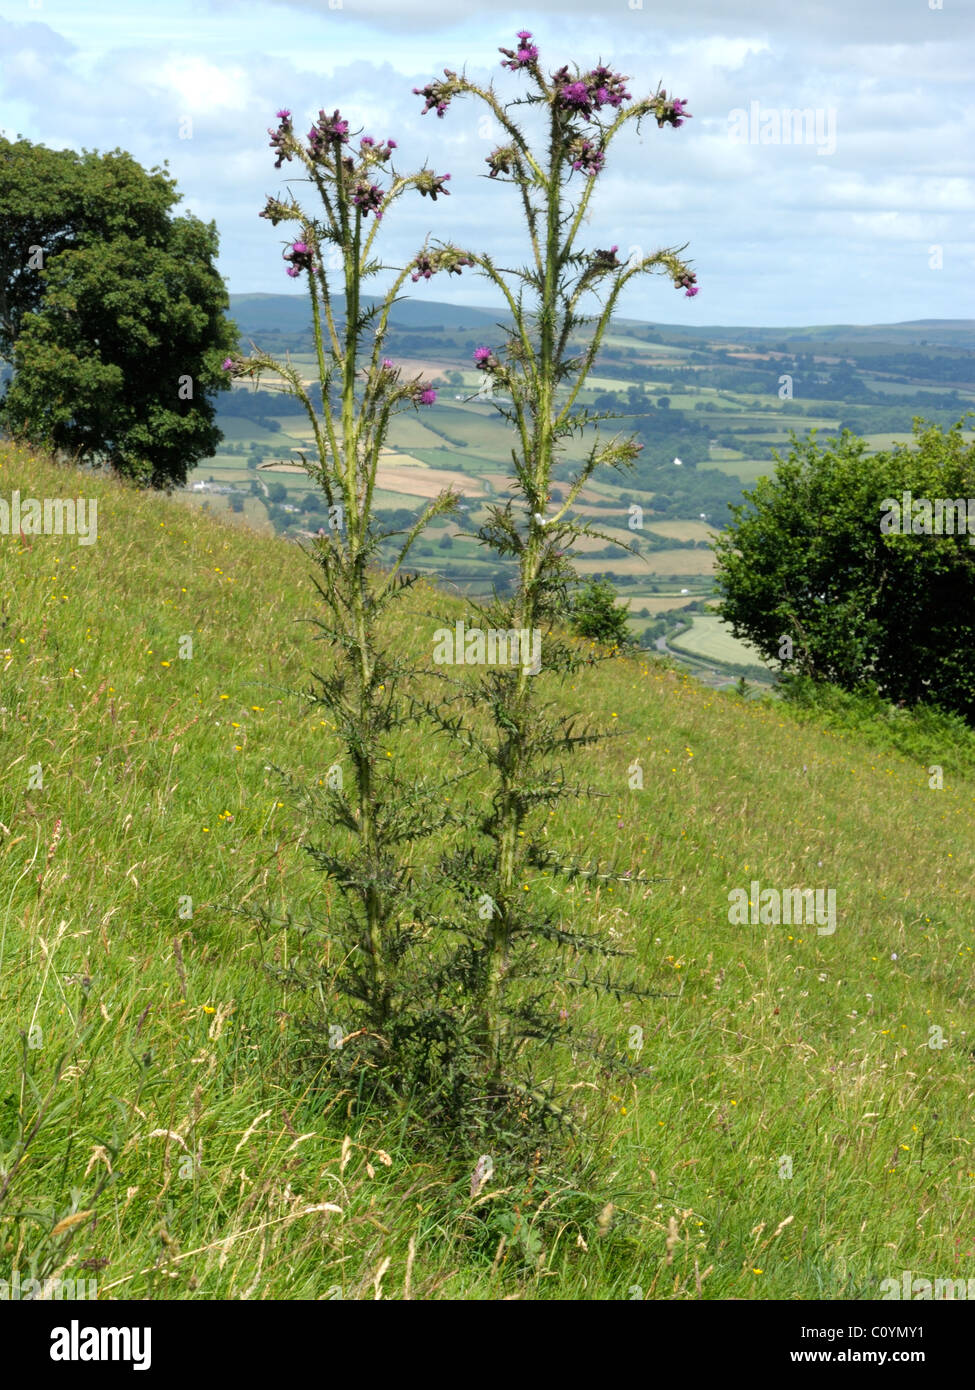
pixel 162 1127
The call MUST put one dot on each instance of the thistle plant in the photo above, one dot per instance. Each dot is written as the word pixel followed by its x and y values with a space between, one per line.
pixel 536 381
pixel 366 813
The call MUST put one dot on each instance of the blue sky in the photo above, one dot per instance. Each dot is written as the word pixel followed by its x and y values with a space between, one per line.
pixel 869 217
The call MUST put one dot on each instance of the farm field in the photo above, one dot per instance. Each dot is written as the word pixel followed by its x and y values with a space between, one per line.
pixel 710 639
pixel 465 443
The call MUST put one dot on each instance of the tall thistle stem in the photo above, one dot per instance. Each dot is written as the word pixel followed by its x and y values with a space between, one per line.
pixel 360 390
pixel 585 112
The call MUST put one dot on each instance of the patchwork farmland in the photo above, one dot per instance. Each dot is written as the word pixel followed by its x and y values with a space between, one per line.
pixel 710 406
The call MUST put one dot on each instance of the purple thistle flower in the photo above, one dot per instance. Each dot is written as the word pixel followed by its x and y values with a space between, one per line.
pixel 601 87
pixel 300 256
pixel 609 88
pixel 522 57
pixel 482 356
pixel 227 364
pixel 283 115
pixel 388 364
pixel 374 152
pixel 427 396
pixel 424 268
pixel 328 130
pixel 368 197
pixel 576 94
pixel 586 156
pixel 672 112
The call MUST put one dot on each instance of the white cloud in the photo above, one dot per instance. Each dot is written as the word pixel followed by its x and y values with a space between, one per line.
pixel 202 86
pixel 721 52
pixel 778 234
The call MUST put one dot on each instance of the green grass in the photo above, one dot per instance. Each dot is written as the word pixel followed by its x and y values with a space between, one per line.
pixel 747 469
pixel 170 1090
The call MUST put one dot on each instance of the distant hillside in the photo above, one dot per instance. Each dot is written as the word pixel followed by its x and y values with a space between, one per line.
pixel 953 333
pixel 291 313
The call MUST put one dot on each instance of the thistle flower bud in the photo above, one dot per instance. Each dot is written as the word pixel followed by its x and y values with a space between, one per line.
pixel 430 183
pixel 281 137
pixel 521 57
pixel 438 94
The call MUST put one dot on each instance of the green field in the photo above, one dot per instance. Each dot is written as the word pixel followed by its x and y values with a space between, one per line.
pixel 709 638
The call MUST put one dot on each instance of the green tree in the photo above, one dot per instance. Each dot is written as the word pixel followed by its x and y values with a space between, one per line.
pixel 111 311
pixel 58 200
pixel 594 613
pixel 810 577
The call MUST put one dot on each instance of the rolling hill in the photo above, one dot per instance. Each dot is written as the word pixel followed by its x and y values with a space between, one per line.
pixel 804 1127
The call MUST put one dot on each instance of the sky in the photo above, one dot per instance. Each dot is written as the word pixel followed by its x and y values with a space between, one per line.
pixel 862 212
